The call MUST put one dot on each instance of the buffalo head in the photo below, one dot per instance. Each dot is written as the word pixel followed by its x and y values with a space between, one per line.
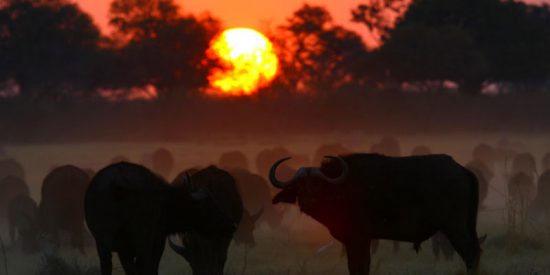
pixel 310 184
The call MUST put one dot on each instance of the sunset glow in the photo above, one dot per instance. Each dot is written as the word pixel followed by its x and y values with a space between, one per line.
pixel 248 62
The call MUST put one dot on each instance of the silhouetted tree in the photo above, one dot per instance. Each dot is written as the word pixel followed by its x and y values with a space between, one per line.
pixel 48 47
pixel 379 16
pixel 512 37
pixel 421 55
pixel 315 54
pixel 160 46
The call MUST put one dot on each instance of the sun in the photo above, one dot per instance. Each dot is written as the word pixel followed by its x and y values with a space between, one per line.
pixel 247 59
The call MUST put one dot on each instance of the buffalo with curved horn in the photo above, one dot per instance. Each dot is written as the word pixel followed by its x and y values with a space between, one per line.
pixel 360 197
pixel 131 211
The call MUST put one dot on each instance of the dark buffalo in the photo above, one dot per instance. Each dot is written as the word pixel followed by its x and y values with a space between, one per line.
pixel 361 197
pixel 207 254
pixel 440 243
pixel 10 187
pixel 61 207
pixel 130 210
pixel 22 221
pixel 541 204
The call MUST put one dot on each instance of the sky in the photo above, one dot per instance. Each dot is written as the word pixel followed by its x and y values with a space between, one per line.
pixel 249 13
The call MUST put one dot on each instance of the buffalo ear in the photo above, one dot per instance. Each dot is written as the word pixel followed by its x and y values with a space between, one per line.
pixel 286 195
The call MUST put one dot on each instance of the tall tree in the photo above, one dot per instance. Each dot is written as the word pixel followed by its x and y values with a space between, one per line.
pixel 47 47
pixel 160 46
pixel 512 37
pixel 379 16
pixel 315 54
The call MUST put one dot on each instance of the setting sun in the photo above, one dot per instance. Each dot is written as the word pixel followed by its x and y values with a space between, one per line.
pixel 248 61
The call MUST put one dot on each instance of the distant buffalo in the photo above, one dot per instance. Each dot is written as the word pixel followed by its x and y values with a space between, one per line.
pixel 10 187
pixel 131 211
pixel 541 204
pixel 361 197
pixel 256 195
pixel 388 146
pixel 22 221
pixel 62 204
pixel 207 254
pixel 485 153
pixel 233 160
pixel 421 150
pixel 163 162
pixel 484 175
pixel 524 162
pixel 11 167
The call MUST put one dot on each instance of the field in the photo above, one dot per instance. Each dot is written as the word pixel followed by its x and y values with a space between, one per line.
pixel 293 248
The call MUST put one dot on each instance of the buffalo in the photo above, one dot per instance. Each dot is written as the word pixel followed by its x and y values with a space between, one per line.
pixel 11 167
pixel 61 207
pixel 484 175
pixel 233 160
pixel 485 153
pixel 541 204
pixel 207 254
pixel 545 162
pixel 162 162
pixel 360 197
pixel 256 195
pixel 131 211
pixel 22 221
pixel 421 150
pixel 10 187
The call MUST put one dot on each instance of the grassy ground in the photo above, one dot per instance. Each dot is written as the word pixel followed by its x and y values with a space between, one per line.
pixel 291 249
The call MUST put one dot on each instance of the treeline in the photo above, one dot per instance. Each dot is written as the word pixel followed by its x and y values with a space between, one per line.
pixel 52 50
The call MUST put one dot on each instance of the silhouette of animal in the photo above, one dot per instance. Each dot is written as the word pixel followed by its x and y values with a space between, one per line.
pixel 61 207
pixel 233 160
pixel 541 204
pixel 207 254
pixel 131 211
pixel 256 195
pixel 524 162
pixel 22 222
pixel 360 197
pixel 11 167
pixel 10 187
pixel 162 162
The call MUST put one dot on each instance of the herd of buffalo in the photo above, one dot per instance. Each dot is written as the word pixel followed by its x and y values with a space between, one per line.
pixel 132 209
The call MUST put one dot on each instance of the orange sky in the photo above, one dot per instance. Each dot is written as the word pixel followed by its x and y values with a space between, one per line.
pixel 248 13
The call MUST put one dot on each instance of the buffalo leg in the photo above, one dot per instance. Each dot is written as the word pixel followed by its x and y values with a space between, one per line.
pixel 12 233
pixel 358 257
pixel 148 257
pixel 105 259
pixel 127 260
pixel 467 246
